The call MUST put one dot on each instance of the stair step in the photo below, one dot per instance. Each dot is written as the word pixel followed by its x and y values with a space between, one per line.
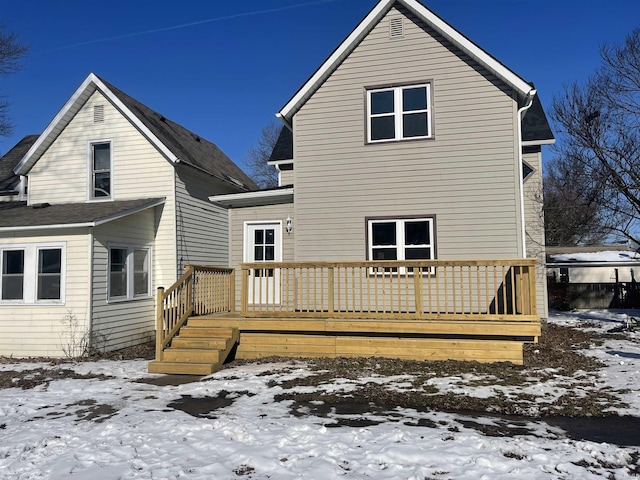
pixel 216 332
pixel 180 368
pixel 195 355
pixel 200 342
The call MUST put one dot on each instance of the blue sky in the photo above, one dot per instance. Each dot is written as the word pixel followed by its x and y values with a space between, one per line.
pixel 223 69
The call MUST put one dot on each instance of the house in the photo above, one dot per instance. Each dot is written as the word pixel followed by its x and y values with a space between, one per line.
pixel 599 276
pixel 116 205
pixel 409 145
pixel 12 186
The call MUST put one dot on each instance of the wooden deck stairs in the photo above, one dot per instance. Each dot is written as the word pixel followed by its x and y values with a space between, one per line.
pixel 199 349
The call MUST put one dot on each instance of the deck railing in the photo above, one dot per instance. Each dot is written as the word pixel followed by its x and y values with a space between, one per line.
pixel 200 291
pixel 434 289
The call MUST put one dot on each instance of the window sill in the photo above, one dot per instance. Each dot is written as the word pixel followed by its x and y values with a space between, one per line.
pixel 128 299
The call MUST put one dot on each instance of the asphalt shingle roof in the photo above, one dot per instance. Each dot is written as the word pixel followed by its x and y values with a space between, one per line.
pixel 187 146
pixel 283 149
pixel 8 180
pixel 18 214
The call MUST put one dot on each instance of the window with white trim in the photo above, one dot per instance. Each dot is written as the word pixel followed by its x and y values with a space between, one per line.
pixel 401 239
pixel 32 273
pixel 129 272
pixel 399 113
pixel 101 178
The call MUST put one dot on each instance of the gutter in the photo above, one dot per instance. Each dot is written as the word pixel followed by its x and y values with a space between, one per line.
pixel 521 112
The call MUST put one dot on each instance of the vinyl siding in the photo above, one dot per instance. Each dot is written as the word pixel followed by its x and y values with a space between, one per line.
pixel 466 176
pixel 40 330
pixel 139 171
pixel 119 324
pixel 202 228
pixel 534 221
pixel 237 219
pixel 287 177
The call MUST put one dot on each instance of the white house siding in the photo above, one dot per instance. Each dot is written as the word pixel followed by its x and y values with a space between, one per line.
pixel 466 177
pixel 202 228
pixel 46 330
pixel 120 324
pixel 534 221
pixel 237 219
pixel 139 171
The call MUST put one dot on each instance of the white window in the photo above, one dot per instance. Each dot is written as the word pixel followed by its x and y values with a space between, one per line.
pixel 401 239
pixel 399 113
pixel 100 187
pixel 32 274
pixel 129 272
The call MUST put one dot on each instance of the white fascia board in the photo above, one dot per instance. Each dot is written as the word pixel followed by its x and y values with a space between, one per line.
pixel 258 194
pixel 23 166
pixel 91 82
pixel 378 11
pixel 533 143
pixel 280 162
pixel 523 88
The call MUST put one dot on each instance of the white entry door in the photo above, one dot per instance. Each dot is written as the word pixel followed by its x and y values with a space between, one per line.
pixel 263 243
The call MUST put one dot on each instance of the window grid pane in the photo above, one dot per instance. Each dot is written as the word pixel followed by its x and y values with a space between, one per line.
pixel 141 272
pixel 118 273
pixel 13 275
pixel 49 274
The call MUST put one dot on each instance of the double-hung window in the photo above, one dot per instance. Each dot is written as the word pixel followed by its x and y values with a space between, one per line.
pixel 129 272
pixel 399 113
pixel 101 178
pixel 32 273
pixel 401 239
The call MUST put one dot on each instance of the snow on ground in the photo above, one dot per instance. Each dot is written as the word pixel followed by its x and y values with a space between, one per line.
pixel 122 428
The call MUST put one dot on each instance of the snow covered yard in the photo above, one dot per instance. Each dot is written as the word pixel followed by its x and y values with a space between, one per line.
pixel 353 419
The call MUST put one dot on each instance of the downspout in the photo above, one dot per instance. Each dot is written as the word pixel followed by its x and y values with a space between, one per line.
pixel 521 112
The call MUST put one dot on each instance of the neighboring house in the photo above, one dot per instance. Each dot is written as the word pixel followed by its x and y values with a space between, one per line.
pixel 116 206
pixel 593 277
pixel 408 142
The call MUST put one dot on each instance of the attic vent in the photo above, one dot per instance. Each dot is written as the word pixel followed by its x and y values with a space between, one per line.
pixel 98 114
pixel 396 28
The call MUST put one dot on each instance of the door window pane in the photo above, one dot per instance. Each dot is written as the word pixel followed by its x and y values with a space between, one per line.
pixel 259 237
pixel 269 253
pixel 12 274
pixel 269 237
pixel 258 253
pixel 49 274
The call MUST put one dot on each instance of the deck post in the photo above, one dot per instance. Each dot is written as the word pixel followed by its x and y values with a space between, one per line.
pixel 244 307
pixel 532 290
pixel 417 289
pixel 159 322
pixel 330 291
pixel 232 290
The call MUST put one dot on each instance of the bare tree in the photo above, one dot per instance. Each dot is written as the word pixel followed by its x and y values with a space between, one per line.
pixel 265 175
pixel 572 205
pixel 10 52
pixel 600 123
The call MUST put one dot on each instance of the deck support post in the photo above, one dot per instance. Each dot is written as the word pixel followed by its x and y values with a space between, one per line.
pixel 159 322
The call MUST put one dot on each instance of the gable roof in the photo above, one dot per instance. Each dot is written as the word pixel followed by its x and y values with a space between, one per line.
pixel 20 216
pixel 535 126
pixel 375 15
pixel 174 142
pixel 9 180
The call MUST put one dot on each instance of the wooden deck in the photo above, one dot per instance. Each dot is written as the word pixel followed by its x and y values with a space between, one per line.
pixel 476 311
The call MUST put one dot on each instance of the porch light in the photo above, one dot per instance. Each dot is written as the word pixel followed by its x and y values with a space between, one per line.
pixel 289 227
